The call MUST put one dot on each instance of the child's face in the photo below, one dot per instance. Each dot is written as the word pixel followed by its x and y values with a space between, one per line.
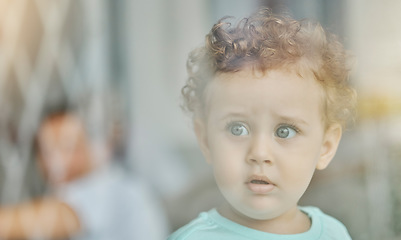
pixel 264 136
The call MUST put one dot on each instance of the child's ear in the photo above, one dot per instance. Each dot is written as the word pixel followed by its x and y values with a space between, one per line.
pixel 330 144
pixel 200 131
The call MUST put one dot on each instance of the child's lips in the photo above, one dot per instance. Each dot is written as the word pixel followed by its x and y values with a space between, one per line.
pixel 260 184
pixel 259 179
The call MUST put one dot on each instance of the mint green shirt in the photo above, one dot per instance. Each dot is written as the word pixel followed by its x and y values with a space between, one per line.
pixel 211 225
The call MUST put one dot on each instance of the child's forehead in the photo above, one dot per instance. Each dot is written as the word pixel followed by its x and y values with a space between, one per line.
pixel 277 90
pixel 281 77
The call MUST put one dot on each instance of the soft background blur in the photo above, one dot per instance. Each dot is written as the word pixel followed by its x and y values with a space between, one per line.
pixel 125 60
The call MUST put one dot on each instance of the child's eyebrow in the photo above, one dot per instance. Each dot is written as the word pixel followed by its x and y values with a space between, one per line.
pixel 224 116
pixel 293 120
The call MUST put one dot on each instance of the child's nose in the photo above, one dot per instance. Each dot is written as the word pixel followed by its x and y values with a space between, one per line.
pixel 259 151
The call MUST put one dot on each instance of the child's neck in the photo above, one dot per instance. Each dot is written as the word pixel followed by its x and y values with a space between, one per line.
pixel 292 222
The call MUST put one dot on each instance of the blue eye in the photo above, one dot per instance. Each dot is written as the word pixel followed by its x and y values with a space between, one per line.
pixel 238 129
pixel 285 132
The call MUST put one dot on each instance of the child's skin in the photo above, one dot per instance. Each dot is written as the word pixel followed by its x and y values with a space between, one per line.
pixel 267 127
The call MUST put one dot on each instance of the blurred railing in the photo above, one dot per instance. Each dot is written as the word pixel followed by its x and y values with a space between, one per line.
pixel 48 50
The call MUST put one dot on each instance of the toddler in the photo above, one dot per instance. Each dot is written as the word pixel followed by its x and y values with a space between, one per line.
pixel 269 98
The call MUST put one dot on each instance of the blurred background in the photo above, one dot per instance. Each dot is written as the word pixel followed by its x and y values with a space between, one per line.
pixel 123 63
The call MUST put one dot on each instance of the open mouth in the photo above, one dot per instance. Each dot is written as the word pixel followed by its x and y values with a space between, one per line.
pixel 259 179
pixel 260 185
pixel 259 182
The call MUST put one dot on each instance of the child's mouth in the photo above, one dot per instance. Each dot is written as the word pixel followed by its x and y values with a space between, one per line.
pixel 260 185
pixel 259 179
pixel 259 182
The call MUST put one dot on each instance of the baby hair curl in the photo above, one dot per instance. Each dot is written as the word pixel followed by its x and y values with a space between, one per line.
pixel 266 41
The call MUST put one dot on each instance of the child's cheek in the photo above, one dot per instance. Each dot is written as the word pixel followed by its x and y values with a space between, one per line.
pixel 228 165
pixel 297 168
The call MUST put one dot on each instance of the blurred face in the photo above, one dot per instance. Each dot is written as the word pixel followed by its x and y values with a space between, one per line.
pixel 264 137
pixel 64 150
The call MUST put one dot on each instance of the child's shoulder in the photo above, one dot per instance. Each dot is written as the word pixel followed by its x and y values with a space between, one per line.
pixel 199 228
pixel 211 225
pixel 330 225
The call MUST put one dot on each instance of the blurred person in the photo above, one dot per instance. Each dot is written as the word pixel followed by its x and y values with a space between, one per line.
pixel 269 98
pixel 90 195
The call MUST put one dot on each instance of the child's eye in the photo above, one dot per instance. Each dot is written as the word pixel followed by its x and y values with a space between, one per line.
pixel 285 132
pixel 238 129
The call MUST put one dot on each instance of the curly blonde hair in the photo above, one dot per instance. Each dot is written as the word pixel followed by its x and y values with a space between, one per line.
pixel 267 41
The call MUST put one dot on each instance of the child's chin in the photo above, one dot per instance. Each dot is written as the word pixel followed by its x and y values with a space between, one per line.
pixel 262 207
pixel 267 215
pixel 259 212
